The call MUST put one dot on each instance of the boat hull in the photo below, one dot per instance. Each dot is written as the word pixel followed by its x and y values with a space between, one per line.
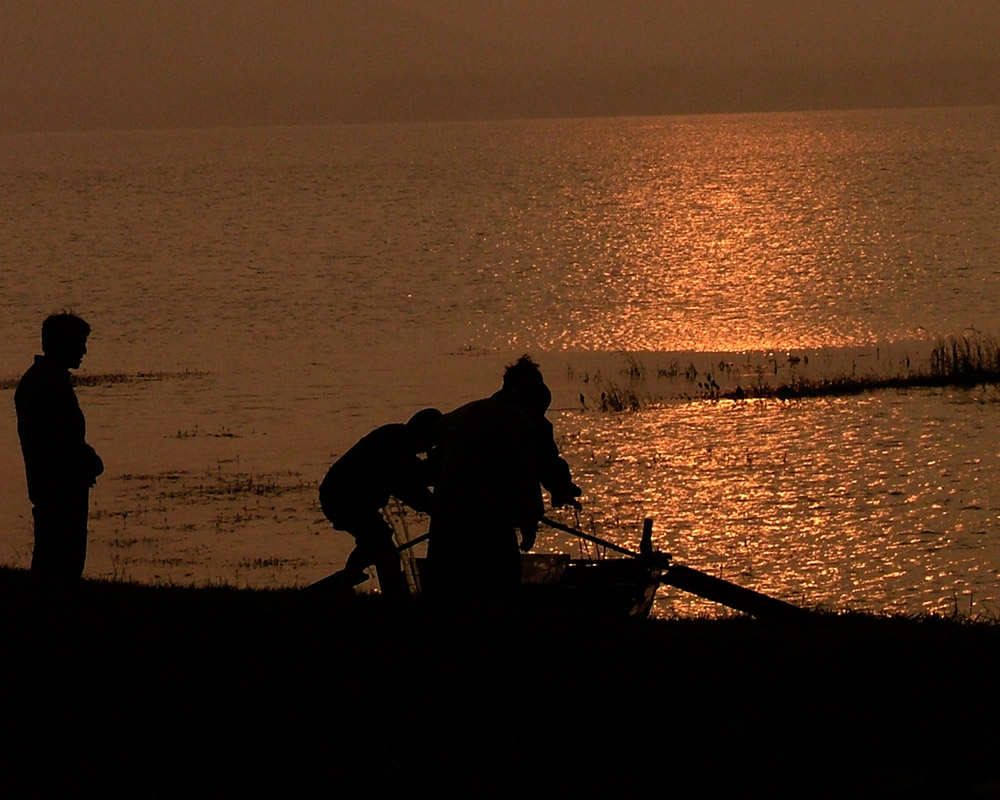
pixel 621 586
pixel 616 586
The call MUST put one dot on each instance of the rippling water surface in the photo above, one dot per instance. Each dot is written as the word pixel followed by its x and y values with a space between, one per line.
pixel 300 286
pixel 885 501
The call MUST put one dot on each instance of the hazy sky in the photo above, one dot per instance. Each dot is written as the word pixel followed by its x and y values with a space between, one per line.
pixel 68 64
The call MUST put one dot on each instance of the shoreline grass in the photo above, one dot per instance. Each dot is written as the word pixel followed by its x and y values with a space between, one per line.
pixel 168 691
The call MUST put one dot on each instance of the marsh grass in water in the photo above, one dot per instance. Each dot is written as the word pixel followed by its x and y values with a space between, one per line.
pixel 966 360
pixel 152 511
pixel 618 398
pixel 218 483
pixel 118 378
pixel 113 378
pixel 969 359
pixel 613 396
pixel 196 432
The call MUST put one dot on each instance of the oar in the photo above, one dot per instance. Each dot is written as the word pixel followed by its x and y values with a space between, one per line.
pixel 729 594
pixel 590 537
pixel 700 583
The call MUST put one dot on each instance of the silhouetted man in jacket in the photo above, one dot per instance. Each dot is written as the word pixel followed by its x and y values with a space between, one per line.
pixel 384 463
pixel 492 457
pixel 59 465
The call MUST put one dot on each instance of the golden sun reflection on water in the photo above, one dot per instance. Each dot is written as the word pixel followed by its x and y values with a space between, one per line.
pixel 725 235
pixel 880 502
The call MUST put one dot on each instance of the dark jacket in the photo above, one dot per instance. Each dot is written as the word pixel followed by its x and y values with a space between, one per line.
pixel 383 463
pixel 53 433
pixel 488 464
pixel 553 471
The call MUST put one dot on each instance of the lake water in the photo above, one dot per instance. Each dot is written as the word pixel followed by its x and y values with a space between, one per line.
pixel 291 288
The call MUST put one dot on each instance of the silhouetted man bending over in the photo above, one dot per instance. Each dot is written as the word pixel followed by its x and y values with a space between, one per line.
pixel 59 465
pixel 383 463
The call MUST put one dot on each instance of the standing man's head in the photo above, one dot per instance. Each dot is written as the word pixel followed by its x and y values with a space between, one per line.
pixel 524 385
pixel 64 339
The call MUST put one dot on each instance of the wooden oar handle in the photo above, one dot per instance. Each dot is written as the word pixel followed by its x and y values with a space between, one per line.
pixel 595 539
pixel 729 594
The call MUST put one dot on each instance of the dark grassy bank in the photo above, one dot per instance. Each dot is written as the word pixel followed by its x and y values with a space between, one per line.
pixel 153 692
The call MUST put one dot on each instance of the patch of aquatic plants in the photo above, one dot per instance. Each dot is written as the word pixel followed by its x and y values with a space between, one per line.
pixel 634 368
pixel 965 360
pixel 962 361
pixel 689 372
pixel 269 563
pixel 611 396
pixel 802 388
pixel 617 398
pixel 637 393
pixel 196 432
pixel 118 378
pixel 146 479
pixel 157 492
pixel 238 484
pixel 969 359
pixel 113 378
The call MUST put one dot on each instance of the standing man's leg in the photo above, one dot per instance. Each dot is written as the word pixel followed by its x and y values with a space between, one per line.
pixel 444 565
pixel 471 558
pixel 61 536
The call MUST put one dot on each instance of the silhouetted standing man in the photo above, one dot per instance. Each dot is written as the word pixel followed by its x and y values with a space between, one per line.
pixel 59 465
pixel 492 458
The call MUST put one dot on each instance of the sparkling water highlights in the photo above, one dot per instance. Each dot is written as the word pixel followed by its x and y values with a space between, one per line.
pixel 300 286
pixel 883 501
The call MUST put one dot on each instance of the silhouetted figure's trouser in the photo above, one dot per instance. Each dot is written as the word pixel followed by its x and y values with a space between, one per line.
pixel 374 544
pixel 61 535
pixel 472 558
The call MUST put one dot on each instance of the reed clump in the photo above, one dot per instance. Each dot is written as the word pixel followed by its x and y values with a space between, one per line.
pixel 802 388
pixel 617 398
pixel 969 359
pixel 964 360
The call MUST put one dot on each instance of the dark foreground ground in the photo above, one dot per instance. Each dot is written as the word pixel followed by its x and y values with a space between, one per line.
pixel 162 692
